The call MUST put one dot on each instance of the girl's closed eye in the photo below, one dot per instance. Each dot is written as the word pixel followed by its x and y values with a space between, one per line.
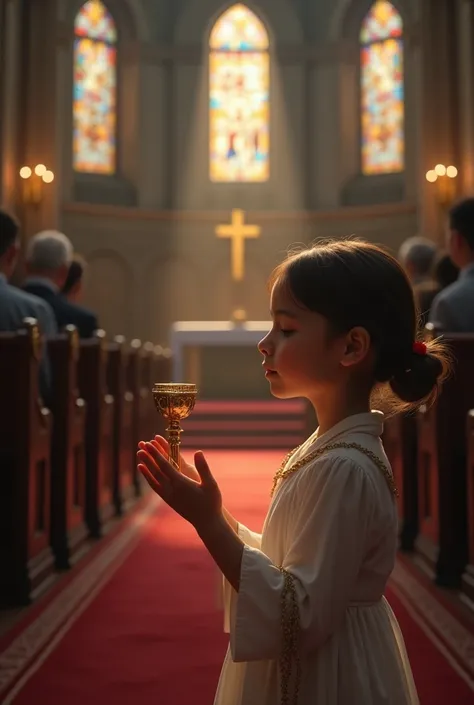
pixel 286 333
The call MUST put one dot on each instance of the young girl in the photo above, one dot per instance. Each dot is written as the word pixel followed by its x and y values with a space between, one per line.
pixel 304 600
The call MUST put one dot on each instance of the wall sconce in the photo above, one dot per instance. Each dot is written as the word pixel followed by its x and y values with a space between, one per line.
pixel 33 181
pixel 444 180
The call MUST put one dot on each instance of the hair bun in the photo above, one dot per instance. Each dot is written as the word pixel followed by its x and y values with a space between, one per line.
pixel 420 378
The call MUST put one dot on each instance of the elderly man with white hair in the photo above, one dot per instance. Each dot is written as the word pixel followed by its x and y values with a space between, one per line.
pixel 417 256
pixel 48 257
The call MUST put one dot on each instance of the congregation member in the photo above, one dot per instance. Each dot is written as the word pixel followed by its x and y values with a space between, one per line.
pixel 48 259
pixel 15 304
pixel 417 256
pixel 74 285
pixel 444 274
pixel 453 308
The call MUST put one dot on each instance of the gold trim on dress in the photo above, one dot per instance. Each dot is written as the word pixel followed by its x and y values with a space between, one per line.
pixel 285 471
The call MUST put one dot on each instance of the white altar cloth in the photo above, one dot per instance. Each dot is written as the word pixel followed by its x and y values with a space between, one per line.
pixel 209 333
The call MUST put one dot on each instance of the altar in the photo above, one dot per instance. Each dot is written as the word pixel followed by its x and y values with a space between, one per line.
pixel 221 357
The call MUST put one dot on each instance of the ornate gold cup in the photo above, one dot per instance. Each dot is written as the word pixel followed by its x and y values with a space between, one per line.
pixel 174 402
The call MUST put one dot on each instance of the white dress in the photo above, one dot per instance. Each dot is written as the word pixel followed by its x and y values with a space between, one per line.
pixel 333 526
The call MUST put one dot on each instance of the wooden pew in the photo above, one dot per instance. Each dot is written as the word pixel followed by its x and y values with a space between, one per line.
pixel 68 528
pixel 140 400
pixel 162 372
pixel 400 442
pixel 92 369
pixel 162 367
pixel 468 576
pixel 124 448
pixel 26 559
pixel 442 459
pixel 147 381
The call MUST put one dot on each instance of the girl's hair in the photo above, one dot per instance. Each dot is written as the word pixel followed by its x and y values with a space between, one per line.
pixel 355 283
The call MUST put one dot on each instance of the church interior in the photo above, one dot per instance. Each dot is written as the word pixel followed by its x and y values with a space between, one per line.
pixel 183 148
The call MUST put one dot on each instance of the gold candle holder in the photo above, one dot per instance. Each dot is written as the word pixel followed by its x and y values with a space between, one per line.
pixel 174 402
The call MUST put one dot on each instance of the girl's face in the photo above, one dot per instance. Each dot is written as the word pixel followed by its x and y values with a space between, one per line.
pixel 301 359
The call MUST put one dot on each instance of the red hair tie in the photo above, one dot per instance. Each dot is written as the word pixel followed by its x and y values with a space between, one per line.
pixel 419 348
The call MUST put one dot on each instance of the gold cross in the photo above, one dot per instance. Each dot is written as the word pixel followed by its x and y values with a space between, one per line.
pixel 238 232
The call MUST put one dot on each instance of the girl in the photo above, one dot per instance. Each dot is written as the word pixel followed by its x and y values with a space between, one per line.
pixel 304 600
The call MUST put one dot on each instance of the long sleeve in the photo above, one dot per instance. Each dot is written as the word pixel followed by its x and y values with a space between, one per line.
pixel 250 538
pixel 326 545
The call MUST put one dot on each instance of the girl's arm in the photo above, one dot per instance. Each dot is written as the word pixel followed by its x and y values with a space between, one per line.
pixel 233 523
pixel 225 546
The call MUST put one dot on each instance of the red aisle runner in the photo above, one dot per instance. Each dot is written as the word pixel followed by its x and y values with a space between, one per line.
pixel 153 634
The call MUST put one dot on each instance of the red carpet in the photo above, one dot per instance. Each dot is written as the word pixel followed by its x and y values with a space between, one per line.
pixel 152 633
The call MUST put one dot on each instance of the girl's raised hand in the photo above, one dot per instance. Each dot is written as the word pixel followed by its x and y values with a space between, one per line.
pixel 199 502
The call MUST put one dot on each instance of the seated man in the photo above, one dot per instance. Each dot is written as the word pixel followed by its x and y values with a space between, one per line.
pixel 48 258
pixel 15 304
pixel 453 308
pixel 417 256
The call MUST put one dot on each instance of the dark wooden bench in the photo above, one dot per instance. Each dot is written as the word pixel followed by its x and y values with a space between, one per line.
pixel 92 369
pixel 124 448
pixel 400 442
pixel 68 528
pixel 442 460
pixel 468 576
pixel 141 400
pixel 147 381
pixel 26 559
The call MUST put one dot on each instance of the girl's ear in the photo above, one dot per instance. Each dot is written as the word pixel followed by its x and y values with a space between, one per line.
pixel 357 346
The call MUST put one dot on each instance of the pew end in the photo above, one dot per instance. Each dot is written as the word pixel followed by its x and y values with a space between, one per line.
pixel 27 562
pixel 99 430
pixel 468 575
pixel 68 528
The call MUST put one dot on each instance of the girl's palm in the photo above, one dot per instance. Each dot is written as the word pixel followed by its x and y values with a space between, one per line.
pixel 197 500
pixel 187 469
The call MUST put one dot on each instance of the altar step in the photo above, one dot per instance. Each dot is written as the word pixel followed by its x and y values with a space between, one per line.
pixel 246 424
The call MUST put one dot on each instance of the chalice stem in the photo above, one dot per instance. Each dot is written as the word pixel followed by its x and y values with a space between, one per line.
pixel 174 432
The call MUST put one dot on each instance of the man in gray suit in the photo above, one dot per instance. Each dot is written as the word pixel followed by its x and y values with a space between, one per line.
pixel 453 308
pixel 15 304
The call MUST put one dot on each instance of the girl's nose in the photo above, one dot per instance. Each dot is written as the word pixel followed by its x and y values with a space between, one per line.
pixel 264 345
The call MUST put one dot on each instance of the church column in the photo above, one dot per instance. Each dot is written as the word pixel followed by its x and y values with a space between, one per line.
pixel 12 63
pixel 42 131
pixel 439 113
pixel 466 78
pixel 153 146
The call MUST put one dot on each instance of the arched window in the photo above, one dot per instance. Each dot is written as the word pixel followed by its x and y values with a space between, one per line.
pixel 239 84
pixel 382 95
pixel 95 84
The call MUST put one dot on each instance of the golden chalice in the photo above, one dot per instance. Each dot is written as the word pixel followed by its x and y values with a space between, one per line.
pixel 174 402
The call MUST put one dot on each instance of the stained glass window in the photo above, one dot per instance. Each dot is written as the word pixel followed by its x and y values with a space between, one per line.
pixel 239 84
pixel 94 100
pixel 382 92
